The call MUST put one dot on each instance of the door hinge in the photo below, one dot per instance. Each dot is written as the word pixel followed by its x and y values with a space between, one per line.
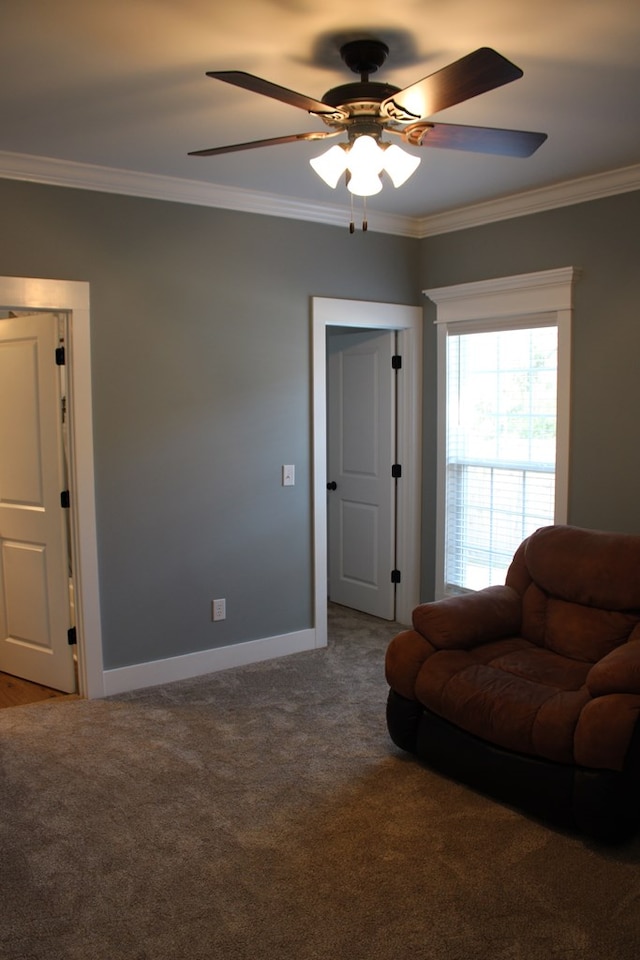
pixel 396 470
pixel 60 357
pixel 396 362
pixel 65 499
pixel 395 576
pixel 72 636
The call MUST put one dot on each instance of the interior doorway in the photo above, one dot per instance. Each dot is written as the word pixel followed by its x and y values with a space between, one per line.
pixel 36 583
pixel 361 453
pixel 70 300
pixel 407 322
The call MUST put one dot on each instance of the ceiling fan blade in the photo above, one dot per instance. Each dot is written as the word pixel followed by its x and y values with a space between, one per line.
pixel 272 142
pixel 257 85
pixel 453 136
pixel 478 72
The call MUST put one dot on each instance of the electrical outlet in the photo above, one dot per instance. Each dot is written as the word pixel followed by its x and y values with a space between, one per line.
pixel 218 609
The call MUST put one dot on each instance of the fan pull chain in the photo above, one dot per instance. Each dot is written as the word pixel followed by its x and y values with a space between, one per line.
pixel 365 222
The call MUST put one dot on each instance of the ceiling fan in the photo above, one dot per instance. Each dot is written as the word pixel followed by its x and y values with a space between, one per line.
pixel 366 109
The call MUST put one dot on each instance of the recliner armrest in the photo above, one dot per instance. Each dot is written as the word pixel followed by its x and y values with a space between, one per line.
pixel 405 656
pixel 465 621
pixel 617 672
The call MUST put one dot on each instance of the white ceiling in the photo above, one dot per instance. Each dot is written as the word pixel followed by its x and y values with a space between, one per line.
pixel 121 84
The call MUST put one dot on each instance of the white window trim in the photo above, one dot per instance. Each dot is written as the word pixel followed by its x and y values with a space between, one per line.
pixel 545 296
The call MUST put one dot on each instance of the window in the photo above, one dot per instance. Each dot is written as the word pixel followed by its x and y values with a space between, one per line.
pixel 500 448
pixel 503 373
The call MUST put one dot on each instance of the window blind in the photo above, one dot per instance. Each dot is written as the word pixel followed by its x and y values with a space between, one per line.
pixel 500 448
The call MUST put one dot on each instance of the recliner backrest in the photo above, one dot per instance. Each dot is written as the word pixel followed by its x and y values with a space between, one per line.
pixel 580 589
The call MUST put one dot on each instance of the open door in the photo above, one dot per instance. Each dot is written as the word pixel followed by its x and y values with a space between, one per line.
pixel 35 610
pixel 360 455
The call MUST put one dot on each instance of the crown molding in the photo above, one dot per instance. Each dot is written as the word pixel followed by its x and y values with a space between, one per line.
pixel 85 176
pixel 564 194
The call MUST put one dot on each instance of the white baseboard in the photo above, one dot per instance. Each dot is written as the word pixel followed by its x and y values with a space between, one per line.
pixel 138 675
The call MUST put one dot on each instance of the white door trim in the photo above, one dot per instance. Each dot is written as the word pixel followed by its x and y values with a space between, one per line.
pixel 407 321
pixel 72 297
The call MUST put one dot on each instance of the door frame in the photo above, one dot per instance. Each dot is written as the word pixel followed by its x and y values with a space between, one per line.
pixel 407 321
pixel 71 297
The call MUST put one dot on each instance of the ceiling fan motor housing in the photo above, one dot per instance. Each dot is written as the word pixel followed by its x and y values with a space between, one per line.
pixel 364 56
pixel 362 100
pixel 363 97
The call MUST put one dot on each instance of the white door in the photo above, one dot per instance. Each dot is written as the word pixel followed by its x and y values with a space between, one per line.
pixel 34 565
pixel 361 448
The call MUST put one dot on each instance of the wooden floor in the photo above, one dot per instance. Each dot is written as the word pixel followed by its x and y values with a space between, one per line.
pixel 15 692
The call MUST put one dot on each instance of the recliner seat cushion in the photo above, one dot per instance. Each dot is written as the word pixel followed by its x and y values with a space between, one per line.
pixel 511 693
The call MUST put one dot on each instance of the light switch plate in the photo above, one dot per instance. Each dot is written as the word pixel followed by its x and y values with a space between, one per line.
pixel 288 475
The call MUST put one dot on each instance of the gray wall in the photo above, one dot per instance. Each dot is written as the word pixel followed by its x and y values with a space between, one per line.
pixel 201 390
pixel 600 238
pixel 201 380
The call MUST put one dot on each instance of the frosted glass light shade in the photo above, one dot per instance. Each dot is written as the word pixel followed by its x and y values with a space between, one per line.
pixel 331 165
pixel 399 164
pixel 364 163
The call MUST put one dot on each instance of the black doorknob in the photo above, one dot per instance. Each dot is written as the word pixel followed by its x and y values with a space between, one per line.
pixel 332 486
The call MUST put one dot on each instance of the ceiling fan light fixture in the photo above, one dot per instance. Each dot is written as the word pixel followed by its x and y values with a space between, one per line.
pixel 364 160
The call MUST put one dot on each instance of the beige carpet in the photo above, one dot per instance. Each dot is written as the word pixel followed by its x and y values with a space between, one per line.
pixel 264 813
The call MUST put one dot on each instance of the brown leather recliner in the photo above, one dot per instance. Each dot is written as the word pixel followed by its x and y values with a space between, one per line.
pixel 531 691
